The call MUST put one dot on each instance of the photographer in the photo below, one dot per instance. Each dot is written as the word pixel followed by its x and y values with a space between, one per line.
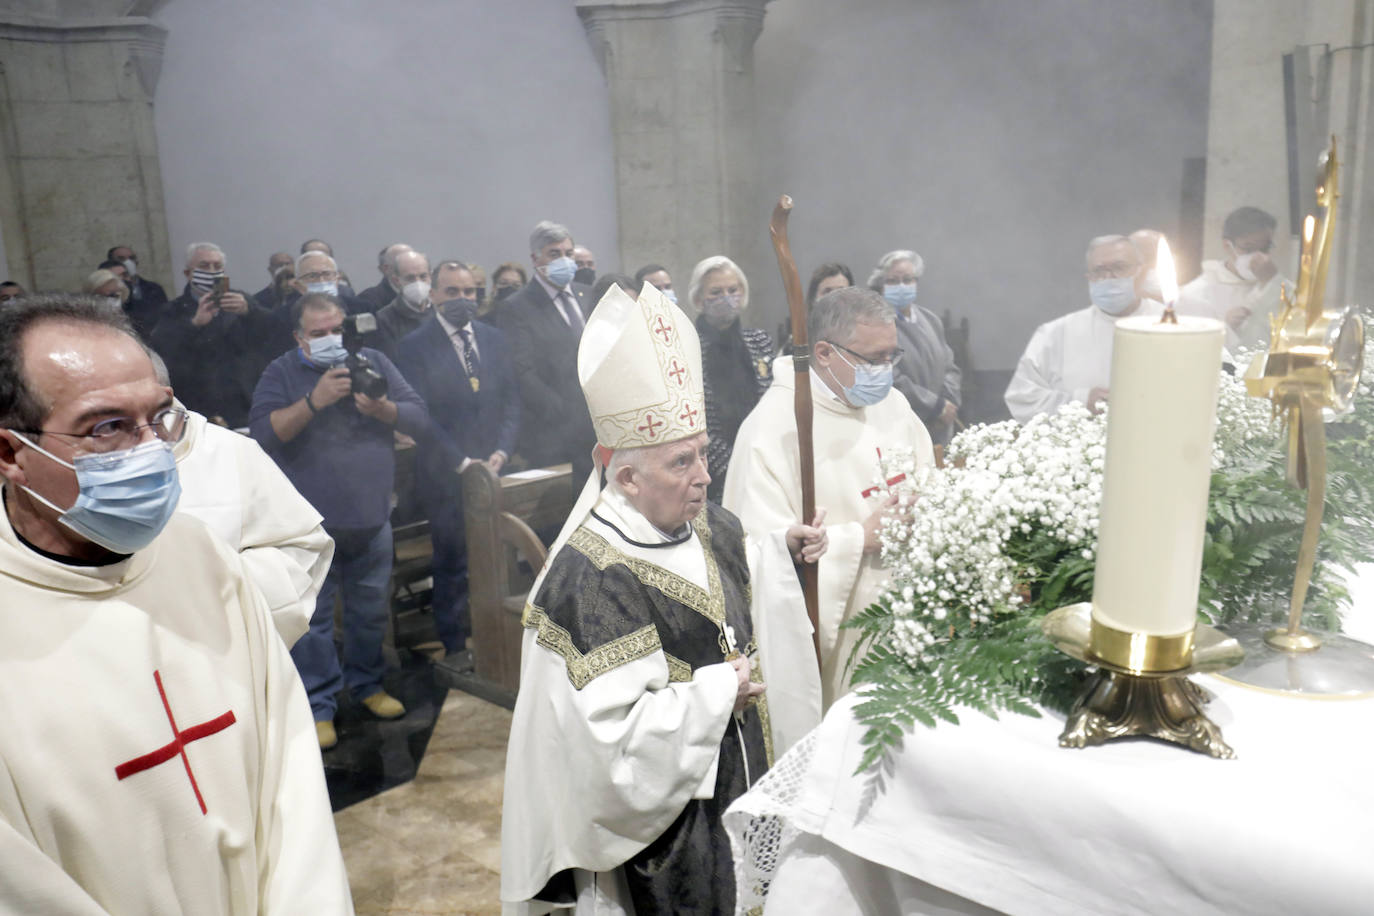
pixel 334 443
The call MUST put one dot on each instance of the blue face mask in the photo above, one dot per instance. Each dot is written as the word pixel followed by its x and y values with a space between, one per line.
pixel 126 497
pixel 560 271
pixel 871 383
pixel 670 295
pixel 328 350
pixel 1113 295
pixel 329 287
pixel 900 296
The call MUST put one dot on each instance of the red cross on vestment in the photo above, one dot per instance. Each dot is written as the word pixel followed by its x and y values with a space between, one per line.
pixel 650 425
pixel 663 328
pixel 177 746
pixel 690 415
pixel 677 372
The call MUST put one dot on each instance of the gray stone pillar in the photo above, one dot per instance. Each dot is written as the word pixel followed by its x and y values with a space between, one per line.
pixel 1247 162
pixel 681 79
pixel 78 152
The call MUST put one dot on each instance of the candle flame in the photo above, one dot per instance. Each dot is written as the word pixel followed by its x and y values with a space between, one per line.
pixel 1168 277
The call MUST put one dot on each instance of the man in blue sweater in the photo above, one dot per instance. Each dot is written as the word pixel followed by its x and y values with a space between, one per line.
pixel 336 446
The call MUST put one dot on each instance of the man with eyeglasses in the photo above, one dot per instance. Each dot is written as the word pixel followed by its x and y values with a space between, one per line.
pixel 1241 289
pixel 858 417
pixel 1070 358
pixel 157 754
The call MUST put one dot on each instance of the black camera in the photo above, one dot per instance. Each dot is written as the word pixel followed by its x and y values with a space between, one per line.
pixel 365 377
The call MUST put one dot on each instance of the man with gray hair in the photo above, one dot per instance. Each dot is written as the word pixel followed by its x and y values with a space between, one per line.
pixel 410 307
pixel 377 297
pixel 1070 358
pixel 544 322
pixel 211 337
pixel 859 419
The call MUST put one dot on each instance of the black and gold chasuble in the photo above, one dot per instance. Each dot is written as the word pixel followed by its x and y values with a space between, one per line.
pixel 599 608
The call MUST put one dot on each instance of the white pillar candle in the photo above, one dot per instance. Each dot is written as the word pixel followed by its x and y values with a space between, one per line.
pixel 1160 422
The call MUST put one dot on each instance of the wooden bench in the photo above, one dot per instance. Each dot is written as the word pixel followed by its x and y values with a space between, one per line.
pixel 501 517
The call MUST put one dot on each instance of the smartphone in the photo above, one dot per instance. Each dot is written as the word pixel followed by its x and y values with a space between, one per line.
pixel 221 286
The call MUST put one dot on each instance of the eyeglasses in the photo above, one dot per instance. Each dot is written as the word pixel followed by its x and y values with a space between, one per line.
pixel 119 433
pixel 1114 271
pixel 318 276
pixel 891 358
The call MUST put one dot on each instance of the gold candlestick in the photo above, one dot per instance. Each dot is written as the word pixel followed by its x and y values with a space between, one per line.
pixel 1139 698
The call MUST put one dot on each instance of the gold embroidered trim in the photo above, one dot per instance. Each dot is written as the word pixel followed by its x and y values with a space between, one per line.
pixel 678 670
pixel 761 704
pixel 603 554
pixel 583 669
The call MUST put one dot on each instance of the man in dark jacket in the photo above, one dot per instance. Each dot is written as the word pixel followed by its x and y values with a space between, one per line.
pixel 544 322
pixel 377 297
pixel 210 338
pixel 146 298
pixel 411 306
pixel 462 369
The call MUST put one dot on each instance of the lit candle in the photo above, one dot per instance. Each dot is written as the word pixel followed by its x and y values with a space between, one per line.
pixel 1154 488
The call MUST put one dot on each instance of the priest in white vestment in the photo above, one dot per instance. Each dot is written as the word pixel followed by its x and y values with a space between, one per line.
pixel 857 417
pixel 158 753
pixel 1070 358
pixel 641 713
pixel 230 484
pixel 1242 289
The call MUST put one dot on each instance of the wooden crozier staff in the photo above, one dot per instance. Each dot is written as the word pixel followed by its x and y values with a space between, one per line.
pixel 801 363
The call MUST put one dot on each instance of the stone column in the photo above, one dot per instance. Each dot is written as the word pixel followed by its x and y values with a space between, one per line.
pixel 681 83
pixel 78 153
pixel 1247 161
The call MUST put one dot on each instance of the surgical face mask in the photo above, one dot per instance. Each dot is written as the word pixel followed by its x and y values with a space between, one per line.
pixel 721 309
pixel 415 293
pixel 560 271
pixel 670 294
pixel 1152 289
pixel 458 312
pixel 585 275
pixel 329 287
pixel 1113 295
pixel 504 291
pixel 130 267
pixel 871 383
pixel 114 301
pixel 900 296
pixel 204 280
pixel 328 350
pixel 1245 262
pixel 125 497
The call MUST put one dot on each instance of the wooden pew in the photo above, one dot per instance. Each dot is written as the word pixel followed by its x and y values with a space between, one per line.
pixel 501 517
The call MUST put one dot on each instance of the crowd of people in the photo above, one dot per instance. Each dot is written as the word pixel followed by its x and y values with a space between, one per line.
pixel 644 633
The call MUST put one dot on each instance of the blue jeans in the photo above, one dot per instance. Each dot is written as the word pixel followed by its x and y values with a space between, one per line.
pixel 361 571
pixel 449 566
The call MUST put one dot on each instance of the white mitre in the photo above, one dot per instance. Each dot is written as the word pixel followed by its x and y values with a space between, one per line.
pixel 640 368
pixel 639 364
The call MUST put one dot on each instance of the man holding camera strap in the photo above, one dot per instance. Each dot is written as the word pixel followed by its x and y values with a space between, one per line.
pixel 326 414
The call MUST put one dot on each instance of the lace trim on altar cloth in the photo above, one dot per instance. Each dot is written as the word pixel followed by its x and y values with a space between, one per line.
pixel 759 825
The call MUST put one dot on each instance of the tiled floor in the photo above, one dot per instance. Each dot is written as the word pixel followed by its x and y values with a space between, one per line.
pixel 433 845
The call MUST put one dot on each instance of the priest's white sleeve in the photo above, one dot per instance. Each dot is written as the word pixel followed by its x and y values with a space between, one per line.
pixel 595 775
pixel 1036 387
pixel 300 866
pixel 282 541
pixel 783 633
pixel 32 882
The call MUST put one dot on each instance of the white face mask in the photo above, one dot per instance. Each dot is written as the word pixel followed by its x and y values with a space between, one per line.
pixel 1245 263
pixel 416 293
pixel 114 301
pixel 130 267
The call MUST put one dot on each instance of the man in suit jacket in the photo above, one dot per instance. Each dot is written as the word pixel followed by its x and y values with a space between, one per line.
pixel 147 299
pixel 377 297
pixel 463 371
pixel 544 322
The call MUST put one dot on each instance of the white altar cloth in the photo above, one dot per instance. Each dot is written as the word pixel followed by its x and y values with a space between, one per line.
pixel 994 814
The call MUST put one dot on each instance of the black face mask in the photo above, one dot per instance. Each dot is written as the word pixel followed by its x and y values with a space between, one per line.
pixel 585 275
pixel 503 291
pixel 458 312
pixel 481 294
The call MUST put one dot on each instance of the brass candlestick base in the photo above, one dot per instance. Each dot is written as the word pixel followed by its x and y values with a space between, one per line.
pixel 1119 702
pixel 1286 640
pixel 1333 666
pixel 1125 706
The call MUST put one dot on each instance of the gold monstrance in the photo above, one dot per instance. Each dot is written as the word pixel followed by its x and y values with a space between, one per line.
pixel 1313 364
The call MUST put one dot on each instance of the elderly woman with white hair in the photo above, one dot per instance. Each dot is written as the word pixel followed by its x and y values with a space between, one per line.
pixel 106 284
pixel 926 374
pixel 736 362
